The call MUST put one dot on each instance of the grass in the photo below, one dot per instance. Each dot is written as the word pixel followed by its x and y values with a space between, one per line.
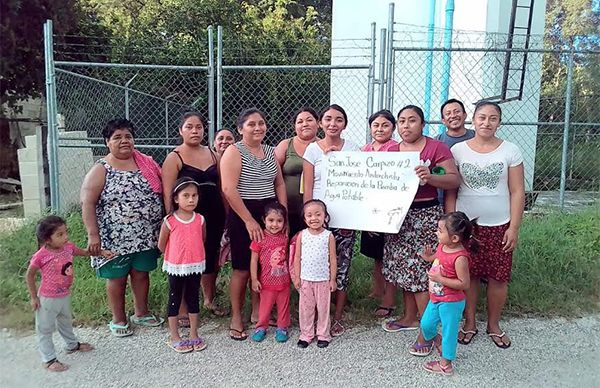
pixel 556 272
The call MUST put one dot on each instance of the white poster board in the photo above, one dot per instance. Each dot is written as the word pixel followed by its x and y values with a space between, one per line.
pixel 369 191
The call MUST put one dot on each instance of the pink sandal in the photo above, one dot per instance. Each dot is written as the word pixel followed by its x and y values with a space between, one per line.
pixel 438 368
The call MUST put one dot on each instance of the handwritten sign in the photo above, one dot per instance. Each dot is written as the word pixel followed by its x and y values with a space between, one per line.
pixel 369 191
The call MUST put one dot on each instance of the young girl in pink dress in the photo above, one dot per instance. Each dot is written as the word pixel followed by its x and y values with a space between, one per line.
pixel 181 240
pixel 270 273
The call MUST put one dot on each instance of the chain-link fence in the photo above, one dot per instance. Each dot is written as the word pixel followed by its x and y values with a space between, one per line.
pixel 547 108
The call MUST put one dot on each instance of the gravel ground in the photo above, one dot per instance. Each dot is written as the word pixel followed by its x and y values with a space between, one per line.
pixel 545 353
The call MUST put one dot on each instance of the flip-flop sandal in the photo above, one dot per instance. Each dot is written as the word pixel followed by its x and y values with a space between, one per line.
pixel 216 311
pixel 182 346
pixel 81 347
pixel 394 326
pixel 148 320
pixel 436 367
pixel 389 311
pixel 55 366
pixel 421 350
pixel 198 344
pixel 242 336
pixel 337 329
pixel 465 333
pixel 118 330
pixel 500 336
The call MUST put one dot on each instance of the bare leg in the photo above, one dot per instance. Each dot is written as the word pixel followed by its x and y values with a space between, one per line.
pixel 340 302
pixel 237 293
pixel 115 289
pixel 421 298
pixel 411 310
pixel 471 306
pixel 209 287
pixel 174 329
pixel 496 298
pixel 193 326
pixel 140 285
pixel 378 280
pixel 389 295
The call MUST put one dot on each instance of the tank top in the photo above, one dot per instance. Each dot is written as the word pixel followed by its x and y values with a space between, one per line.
pixel 314 264
pixel 444 262
pixel 184 253
pixel 257 177
pixel 292 174
pixel 210 203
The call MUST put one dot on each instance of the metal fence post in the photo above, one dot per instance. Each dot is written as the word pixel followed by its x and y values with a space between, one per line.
pixel 565 146
pixel 211 87
pixel 371 81
pixel 127 95
pixel 382 51
pixel 389 87
pixel 52 141
pixel 220 77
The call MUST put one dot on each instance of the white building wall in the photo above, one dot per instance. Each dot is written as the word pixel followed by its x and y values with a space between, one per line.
pixel 473 75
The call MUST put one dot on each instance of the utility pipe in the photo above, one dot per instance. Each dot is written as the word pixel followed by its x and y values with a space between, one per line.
pixel 429 63
pixel 447 58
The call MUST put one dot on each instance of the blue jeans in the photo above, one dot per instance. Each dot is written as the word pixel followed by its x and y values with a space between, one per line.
pixel 449 314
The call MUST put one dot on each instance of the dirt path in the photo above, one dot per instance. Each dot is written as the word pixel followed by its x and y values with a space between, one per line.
pixel 545 353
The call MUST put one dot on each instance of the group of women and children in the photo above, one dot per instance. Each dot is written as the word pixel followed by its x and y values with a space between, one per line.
pixel 265 205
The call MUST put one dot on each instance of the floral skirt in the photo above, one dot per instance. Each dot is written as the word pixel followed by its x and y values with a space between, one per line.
pixel 490 260
pixel 402 265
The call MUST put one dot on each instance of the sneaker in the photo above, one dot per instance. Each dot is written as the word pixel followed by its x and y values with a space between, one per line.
pixel 322 343
pixel 302 344
pixel 259 335
pixel 281 335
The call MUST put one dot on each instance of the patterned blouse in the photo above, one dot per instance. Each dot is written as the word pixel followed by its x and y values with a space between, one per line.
pixel 129 213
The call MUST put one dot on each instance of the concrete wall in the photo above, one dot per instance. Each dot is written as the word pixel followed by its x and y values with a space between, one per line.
pixel 73 164
pixel 32 175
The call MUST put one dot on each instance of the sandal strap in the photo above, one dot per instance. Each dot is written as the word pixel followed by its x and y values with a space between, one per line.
pixel 425 345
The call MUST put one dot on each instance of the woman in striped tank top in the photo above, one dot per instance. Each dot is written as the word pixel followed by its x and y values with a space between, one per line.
pixel 251 178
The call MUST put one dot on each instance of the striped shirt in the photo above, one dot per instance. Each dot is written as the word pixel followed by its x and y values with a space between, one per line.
pixel 257 178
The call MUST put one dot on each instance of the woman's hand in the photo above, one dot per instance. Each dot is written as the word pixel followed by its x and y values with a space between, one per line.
pixel 297 283
pixel 423 173
pixel 254 230
pixel 332 285
pixel 94 244
pixel 509 241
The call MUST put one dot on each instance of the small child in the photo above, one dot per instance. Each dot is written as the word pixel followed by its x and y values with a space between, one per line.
pixel 181 239
pixel 52 301
pixel 270 274
pixel 448 280
pixel 315 274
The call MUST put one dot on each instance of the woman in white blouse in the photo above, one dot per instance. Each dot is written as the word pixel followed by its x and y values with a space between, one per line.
pixel 491 191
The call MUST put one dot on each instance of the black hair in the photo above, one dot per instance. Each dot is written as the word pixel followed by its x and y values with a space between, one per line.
pixel 458 224
pixel 418 110
pixel 482 103
pixel 64 268
pixel 247 113
pixel 46 227
pixel 275 206
pixel 187 115
pixel 334 107
pixel 113 125
pixel 452 101
pixel 307 109
pixel 179 185
pixel 386 114
pixel 225 129
pixel 317 201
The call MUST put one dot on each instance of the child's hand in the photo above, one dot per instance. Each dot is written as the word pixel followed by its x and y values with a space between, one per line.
pixel 35 303
pixel 427 254
pixel 108 254
pixel 332 285
pixel 435 276
pixel 256 287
